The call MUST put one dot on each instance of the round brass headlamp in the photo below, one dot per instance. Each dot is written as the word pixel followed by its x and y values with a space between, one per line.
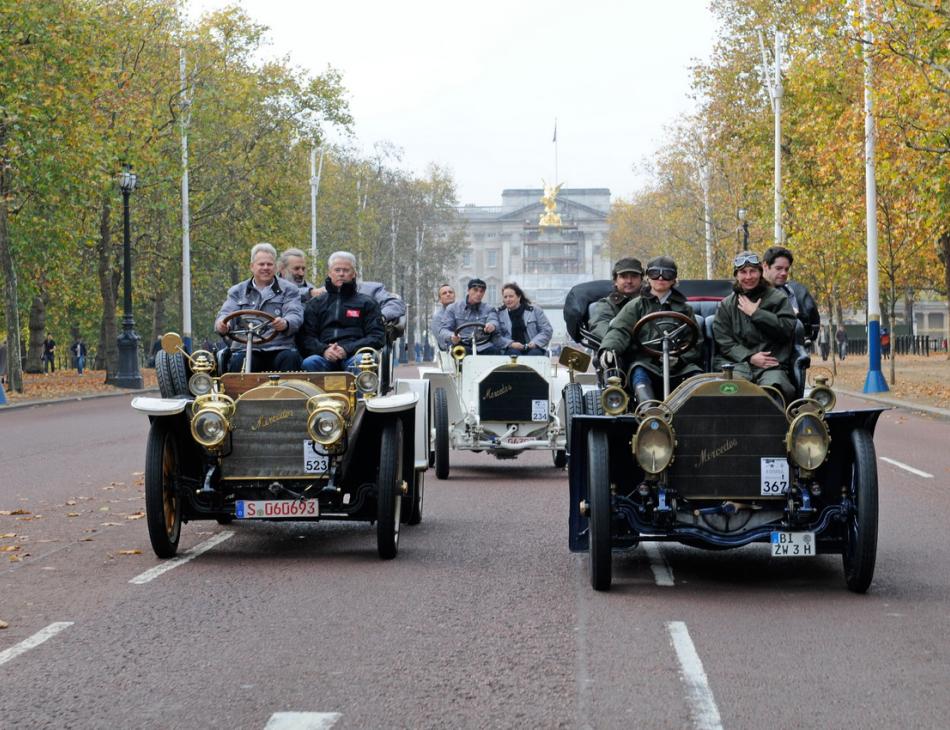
pixel 807 440
pixel 653 444
pixel 615 400
pixel 209 427
pixel 825 396
pixel 325 426
pixel 200 383
pixel 367 381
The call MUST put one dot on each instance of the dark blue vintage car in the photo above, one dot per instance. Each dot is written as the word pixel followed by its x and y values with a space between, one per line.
pixel 720 462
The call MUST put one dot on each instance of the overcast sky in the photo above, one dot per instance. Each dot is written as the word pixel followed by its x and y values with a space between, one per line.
pixel 476 86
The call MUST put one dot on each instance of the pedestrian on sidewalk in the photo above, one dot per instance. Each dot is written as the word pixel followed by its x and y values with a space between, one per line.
pixel 49 354
pixel 824 343
pixel 885 343
pixel 78 350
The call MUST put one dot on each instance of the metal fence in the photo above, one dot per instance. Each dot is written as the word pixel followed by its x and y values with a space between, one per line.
pixel 903 345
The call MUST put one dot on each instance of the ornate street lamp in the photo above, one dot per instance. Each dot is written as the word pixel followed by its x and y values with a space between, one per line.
pixel 128 375
pixel 744 226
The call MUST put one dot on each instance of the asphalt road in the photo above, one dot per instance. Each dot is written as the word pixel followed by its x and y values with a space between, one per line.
pixel 483 620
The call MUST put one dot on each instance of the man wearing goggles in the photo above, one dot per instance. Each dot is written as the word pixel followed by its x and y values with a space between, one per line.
pixel 754 328
pixel 628 278
pixel 778 269
pixel 618 343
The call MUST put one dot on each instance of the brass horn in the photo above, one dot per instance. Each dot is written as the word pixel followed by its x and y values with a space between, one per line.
pixel 458 352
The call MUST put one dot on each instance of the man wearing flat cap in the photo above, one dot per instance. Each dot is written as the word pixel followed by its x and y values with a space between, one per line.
pixel 646 372
pixel 470 310
pixel 628 278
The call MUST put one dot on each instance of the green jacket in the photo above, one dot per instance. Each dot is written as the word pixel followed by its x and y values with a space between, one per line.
pixel 605 310
pixel 771 328
pixel 619 336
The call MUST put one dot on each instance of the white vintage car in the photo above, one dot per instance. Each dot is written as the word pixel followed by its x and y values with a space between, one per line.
pixel 499 404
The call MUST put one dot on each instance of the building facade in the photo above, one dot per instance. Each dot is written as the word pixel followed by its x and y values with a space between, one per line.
pixel 505 243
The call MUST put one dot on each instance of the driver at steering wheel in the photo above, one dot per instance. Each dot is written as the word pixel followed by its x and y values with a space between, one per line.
pixel 471 311
pixel 647 371
pixel 266 292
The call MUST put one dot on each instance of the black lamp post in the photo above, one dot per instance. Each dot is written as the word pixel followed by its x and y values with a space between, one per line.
pixel 744 225
pixel 129 375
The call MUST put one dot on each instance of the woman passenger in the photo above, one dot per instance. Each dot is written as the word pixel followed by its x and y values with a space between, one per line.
pixel 523 327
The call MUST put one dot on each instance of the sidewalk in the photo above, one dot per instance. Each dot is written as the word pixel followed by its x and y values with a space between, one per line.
pixel 886 400
pixel 65 386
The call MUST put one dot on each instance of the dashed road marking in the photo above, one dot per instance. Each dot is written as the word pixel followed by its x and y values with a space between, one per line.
pixel 203 547
pixel 33 641
pixel 702 704
pixel 662 572
pixel 912 470
pixel 302 720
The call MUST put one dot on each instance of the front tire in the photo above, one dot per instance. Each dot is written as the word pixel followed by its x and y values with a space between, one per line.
pixel 418 496
pixel 162 501
pixel 573 406
pixel 388 494
pixel 860 552
pixel 598 510
pixel 560 458
pixel 441 420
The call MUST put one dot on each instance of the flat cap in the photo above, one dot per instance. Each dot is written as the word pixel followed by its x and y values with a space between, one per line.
pixel 628 265
pixel 472 283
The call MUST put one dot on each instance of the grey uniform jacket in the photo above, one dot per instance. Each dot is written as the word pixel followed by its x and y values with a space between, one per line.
pixel 436 327
pixel 537 327
pixel 390 304
pixel 282 299
pixel 460 312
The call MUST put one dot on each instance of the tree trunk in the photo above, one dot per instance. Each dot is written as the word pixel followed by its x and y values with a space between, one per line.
pixel 107 356
pixel 943 246
pixel 10 304
pixel 158 318
pixel 34 353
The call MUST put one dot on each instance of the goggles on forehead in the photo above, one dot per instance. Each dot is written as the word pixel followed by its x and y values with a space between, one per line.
pixel 744 259
pixel 661 272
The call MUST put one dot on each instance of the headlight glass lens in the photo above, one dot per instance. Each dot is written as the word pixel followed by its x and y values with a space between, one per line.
pixel 808 441
pixel 209 428
pixel 200 384
pixel 615 400
pixel 824 395
pixel 653 445
pixel 367 381
pixel 325 426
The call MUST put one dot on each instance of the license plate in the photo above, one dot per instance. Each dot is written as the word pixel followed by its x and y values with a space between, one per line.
pixel 793 544
pixel 773 476
pixel 516 440
pixel 315 458
pixel 269 509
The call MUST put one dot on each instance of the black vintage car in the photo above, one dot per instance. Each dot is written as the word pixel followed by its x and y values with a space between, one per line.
pixel 282 446
pixel 720 462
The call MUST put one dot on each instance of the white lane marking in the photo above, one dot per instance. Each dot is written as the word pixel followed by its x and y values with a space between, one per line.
pixel 33 641
pixel 703 708
pixel 661 569
pixel 302 720
pixel 203 547
pixel 912 470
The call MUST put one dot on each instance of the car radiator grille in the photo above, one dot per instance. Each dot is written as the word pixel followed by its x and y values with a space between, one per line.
pixel 719 449
pixel 267 440
pixel 507 395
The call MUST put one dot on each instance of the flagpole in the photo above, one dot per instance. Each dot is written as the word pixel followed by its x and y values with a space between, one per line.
pixel 555 151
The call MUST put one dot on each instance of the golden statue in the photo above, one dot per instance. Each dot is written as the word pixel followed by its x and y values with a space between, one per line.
pixel 550 218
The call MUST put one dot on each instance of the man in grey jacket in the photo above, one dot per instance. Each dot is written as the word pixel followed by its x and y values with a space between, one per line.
pixel 471 310
pixel 292 265
pixel 446 297
pixel 267 292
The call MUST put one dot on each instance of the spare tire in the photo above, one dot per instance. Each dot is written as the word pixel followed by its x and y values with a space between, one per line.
pixel 172 374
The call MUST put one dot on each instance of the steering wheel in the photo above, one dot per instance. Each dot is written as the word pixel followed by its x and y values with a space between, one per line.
pixel 478 335
pixel 256 326
pixel 681 330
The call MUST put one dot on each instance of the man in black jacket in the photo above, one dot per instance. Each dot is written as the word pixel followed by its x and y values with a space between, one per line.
pixel 341 322
pixel 778 269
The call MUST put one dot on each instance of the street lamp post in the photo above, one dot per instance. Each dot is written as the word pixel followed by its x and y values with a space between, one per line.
pixel 128 375
pixel 744 226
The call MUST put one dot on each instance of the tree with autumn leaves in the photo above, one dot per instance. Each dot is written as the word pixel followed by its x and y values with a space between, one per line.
pixel 87 86
pixel 822 150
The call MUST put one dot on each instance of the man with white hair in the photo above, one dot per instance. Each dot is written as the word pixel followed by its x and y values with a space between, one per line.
pixel 341 321
pixel 267 292
pixel 292 265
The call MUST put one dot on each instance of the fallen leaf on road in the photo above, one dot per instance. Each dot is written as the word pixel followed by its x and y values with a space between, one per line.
pixel 104 509
pixel 118 484
pixel 137 473
pixel 8 548
pixel 86 539
pixel 8 534
pixel 3 624
pixel 135 516
pixel 16 559
pixel 70 502
pixel 106 489
pixel 109 524
pixel 7 512
pixel 130 552
pixel 72 514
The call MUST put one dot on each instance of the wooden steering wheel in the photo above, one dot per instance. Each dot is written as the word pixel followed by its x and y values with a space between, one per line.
pixel 679 326
pixel 255 322
pixel 478 335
